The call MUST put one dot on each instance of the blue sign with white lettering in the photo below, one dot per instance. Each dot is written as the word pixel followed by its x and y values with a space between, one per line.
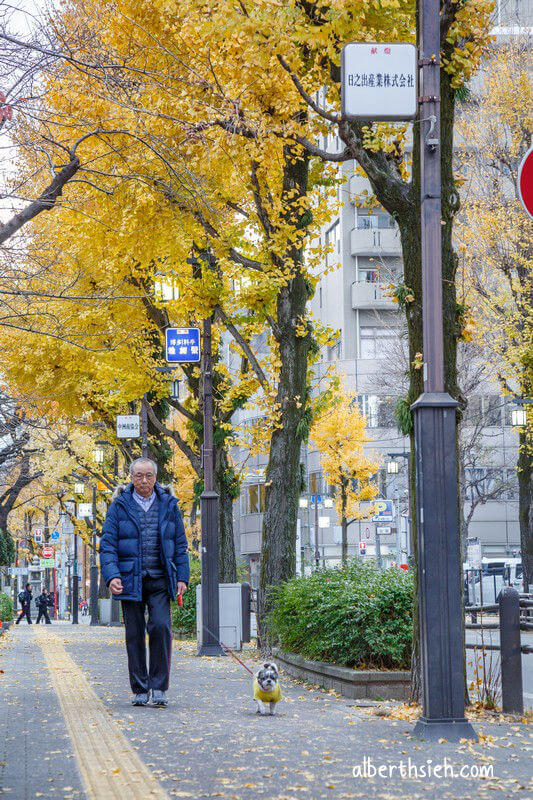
pixel 385 511
pixel 182 345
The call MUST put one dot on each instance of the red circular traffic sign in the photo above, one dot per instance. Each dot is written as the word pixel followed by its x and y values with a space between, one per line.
pixel 47 552
pixel 525 182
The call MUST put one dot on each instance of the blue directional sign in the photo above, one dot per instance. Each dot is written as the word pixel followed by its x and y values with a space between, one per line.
pixel 54 535
pixel 182 345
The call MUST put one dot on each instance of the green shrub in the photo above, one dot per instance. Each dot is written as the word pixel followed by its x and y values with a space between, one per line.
pixel 354 616
pixel 6 607
pixel 184 617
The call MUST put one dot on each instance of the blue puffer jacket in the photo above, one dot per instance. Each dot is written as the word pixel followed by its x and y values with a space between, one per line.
pixel 120 545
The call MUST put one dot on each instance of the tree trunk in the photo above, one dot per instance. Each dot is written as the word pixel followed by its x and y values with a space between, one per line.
pixel 525 503
pixel 278 547
pixel 224 483
pixel 344 526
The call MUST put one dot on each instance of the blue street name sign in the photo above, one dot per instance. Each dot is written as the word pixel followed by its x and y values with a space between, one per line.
pixel 182 345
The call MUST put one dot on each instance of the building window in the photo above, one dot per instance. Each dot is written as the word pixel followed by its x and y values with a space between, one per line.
pixel 379 411
pixel 373 341
pixel 373 219
pixel 485 410
pixel 335 350
pixel 255 498
pixel 333 243
pixel 484 481
pixel 369 275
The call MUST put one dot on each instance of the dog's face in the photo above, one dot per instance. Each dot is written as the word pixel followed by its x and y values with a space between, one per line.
pixel 267 676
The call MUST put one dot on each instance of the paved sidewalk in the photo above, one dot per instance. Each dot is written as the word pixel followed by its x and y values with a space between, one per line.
pixel 209 742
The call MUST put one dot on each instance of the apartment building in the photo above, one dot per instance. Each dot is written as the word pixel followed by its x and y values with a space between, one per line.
pixel 370 353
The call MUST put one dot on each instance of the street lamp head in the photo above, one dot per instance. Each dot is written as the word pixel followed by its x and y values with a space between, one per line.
pixel 393 467
pixel 99 455
pixel 518 417
pixel 175 389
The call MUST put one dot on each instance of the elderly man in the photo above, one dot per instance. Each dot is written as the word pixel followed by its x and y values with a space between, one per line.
pixel 144 561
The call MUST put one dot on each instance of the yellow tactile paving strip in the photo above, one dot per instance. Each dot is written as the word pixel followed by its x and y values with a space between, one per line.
pixel 109 766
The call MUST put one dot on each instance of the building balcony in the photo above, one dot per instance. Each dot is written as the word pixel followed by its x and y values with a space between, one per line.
pixel 375 242
pixel 371 296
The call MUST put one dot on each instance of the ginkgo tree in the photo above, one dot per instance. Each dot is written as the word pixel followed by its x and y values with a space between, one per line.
pixel 495 238
pixel 339 434
pixel 231 88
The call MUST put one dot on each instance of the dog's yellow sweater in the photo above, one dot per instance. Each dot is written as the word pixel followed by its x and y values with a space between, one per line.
pixel 267 697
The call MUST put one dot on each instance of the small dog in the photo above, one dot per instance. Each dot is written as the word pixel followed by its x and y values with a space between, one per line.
pixel 267 691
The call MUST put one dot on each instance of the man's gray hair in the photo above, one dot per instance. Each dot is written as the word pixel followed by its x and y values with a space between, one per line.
pixel 137 461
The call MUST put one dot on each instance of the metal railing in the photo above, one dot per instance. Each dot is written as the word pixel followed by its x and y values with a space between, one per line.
pixel 515 614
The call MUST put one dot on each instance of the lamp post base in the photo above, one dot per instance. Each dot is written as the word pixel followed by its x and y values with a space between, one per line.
pixel 93 605
pixel 210 650
pixel 453 730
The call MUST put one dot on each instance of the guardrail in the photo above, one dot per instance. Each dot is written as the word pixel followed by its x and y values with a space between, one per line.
pixel 514 615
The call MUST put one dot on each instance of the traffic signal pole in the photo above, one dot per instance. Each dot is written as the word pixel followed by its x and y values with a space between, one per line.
pixel 437 507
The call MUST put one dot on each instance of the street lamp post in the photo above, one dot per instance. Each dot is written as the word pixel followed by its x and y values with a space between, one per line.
pixel 440 612
pixel 75 582
pixel 93 604
pixel 210 644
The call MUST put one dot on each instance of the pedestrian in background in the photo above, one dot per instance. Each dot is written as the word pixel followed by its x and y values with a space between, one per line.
pixel 43 603
pixel 25 601
pixel 144 561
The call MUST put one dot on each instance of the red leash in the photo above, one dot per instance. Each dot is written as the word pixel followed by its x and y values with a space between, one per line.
pixel 226 648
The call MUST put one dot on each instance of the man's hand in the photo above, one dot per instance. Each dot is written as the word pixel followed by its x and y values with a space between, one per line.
pixel 116 586
pixel 182 587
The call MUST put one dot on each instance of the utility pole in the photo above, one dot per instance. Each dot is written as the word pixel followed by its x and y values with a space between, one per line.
pixel 93 605
pixel 317 549
pixel 144 427
pixel 440 611
pixel 75 581
pixel 210 645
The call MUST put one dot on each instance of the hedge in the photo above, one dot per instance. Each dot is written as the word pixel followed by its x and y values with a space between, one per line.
pixel 356 616
pixel 6 607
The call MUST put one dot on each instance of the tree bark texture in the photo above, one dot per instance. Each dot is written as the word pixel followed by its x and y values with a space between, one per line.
pixel 227 571
pixel 278 547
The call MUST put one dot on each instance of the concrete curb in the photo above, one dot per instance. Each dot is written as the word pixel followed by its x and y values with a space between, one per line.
pixel 353 683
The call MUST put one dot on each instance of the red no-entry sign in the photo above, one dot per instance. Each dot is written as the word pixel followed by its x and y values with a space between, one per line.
pixel 525 181
pixel 47 552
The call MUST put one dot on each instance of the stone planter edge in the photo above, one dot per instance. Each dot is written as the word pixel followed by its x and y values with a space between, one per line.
pixel 353 683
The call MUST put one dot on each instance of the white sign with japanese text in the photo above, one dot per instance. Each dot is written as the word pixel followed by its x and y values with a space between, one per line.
pixel 378 81
pixel 128 426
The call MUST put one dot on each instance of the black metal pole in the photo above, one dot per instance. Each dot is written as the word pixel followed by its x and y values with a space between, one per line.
pixel 210 644
pixel 317 550
pixel 93 604
pixel 439 564
pixel 144 427
pixel 75 583
pixel 510 652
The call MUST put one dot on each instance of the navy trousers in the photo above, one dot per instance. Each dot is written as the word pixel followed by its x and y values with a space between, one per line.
pixel 155 598
pixel 24 613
